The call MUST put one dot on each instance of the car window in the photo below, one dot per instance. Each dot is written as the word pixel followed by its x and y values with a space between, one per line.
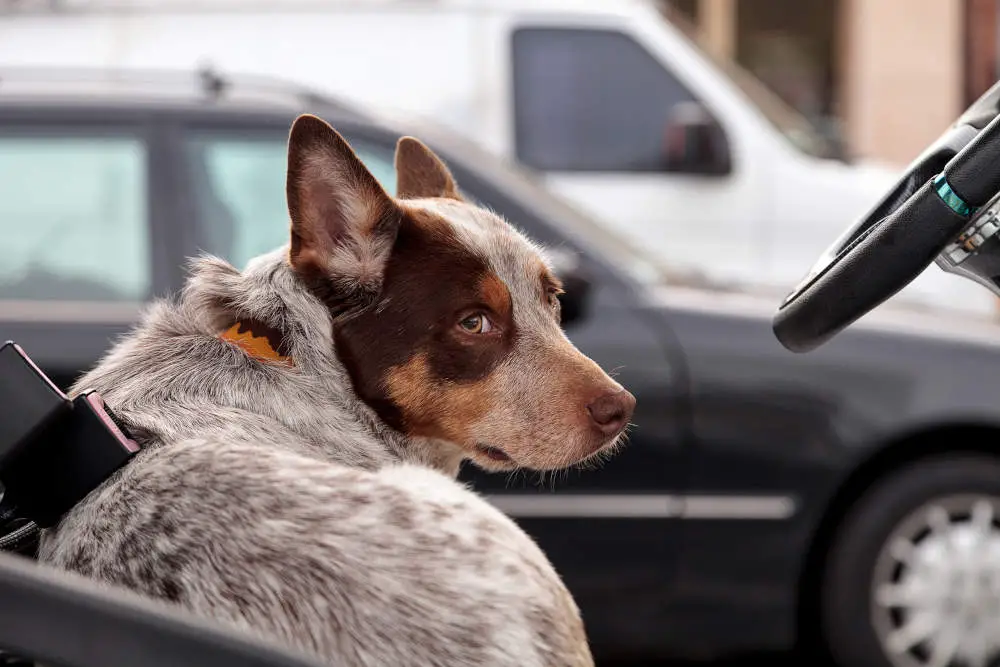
pixel 239 184
pixel 590 100
pixel 73 218
pixel 238 180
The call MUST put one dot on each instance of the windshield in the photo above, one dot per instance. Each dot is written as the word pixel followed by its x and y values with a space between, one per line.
pixel 793 126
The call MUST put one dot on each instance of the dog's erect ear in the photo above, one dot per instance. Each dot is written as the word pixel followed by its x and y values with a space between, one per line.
pixel 343 221
pixel 420 173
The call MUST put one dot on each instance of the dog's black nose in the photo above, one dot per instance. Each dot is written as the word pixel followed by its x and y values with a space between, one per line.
pixel 611 412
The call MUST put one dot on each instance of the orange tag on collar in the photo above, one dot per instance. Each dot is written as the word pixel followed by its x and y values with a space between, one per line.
pixel 255 343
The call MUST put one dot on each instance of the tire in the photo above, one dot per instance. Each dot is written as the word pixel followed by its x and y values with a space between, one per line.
pixel 899 507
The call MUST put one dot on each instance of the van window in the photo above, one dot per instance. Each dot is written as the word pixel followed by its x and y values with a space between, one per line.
pixel 239 186
pixel 590 100
pixel 73 218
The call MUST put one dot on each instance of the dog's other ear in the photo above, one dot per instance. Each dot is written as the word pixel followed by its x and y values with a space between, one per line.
pixel 343 221
pixel 420 173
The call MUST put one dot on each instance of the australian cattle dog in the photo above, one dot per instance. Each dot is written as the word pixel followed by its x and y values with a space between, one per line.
pixel 303 420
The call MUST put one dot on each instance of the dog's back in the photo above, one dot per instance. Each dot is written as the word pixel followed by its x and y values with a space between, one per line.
pixel 401 566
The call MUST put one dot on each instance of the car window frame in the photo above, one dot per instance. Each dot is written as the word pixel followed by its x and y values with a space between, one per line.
pixel 46 122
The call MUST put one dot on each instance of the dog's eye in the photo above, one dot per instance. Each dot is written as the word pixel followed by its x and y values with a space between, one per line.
pixel 553 295
pixel 477 324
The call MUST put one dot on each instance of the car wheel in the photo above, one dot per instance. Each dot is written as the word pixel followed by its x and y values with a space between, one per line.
pixel 913 575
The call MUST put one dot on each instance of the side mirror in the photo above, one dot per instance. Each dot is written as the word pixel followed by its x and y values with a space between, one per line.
pixel 576 285
pixel 694 143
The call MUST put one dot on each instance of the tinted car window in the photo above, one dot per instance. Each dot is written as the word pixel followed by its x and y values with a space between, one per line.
pixel 238 179
pixel 239 184
pixel 590 100
pixel 73 218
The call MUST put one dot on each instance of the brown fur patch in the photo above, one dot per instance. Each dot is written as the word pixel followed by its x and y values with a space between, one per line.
pixel 581 380
pixel 496 296
pixel 420 173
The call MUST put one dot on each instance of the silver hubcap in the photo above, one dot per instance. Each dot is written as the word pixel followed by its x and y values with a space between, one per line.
pixel 936 586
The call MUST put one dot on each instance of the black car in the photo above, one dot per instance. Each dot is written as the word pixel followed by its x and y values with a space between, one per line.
pixel 764 497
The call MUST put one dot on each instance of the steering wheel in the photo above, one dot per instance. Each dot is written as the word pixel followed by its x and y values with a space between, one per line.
pixel 937 198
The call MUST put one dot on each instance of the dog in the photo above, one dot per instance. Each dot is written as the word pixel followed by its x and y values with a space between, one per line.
pixel 302 423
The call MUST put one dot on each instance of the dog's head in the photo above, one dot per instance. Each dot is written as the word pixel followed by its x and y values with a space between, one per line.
pixel 446 318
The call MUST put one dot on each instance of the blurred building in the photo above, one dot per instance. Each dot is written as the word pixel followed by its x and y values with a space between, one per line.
pixel 884 75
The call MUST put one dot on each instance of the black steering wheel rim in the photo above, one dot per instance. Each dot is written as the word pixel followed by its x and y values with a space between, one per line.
pixel 902 234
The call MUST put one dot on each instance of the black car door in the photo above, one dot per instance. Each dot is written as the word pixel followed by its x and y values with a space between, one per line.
pixel 610 532
pixel 82 244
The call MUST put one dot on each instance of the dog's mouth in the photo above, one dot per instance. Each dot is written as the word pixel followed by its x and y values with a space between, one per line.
pixel 494 453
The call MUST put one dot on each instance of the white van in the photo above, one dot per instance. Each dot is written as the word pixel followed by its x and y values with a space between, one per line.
pixel 608 102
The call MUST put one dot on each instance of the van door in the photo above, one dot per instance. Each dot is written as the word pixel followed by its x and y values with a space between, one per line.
pixel 609 126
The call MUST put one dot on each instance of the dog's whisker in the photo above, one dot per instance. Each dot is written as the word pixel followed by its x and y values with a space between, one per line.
pixel 513 475
pixel 614 371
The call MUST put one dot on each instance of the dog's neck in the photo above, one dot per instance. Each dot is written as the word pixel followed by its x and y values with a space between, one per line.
pixel 259 342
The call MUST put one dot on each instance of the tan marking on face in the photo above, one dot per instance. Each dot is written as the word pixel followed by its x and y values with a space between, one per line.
pixel 434 409
pixel 496 295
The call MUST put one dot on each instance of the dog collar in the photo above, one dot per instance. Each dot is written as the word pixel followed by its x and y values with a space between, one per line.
pixel 260 341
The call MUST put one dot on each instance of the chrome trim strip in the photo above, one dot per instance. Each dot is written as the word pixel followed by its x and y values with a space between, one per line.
pixel 772 508
pixel 566 505
pixel 645 506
